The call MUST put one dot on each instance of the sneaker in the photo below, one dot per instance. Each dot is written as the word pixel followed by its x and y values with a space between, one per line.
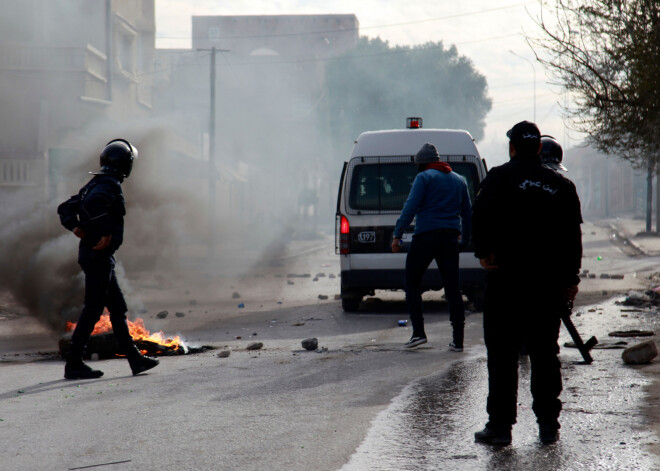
pixel 493 436
pixel 548 433
pixel 455 348
pixel 414 341
pixel 79 370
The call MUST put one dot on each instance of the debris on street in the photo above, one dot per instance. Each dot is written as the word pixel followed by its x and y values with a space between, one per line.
pixel 255 346
pixel 162 314
pixel 640 353
pixel 310 344
pixel 631 333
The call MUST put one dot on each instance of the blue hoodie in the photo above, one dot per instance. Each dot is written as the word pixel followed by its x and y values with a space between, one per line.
pixel 440 200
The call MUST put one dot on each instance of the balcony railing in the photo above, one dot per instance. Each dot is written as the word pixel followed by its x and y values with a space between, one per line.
pixel 21 172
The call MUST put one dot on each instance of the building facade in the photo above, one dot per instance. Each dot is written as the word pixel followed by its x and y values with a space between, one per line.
pixel 66 67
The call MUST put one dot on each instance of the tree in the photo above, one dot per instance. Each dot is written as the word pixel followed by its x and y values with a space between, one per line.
pixel 606 54
pixel 376 86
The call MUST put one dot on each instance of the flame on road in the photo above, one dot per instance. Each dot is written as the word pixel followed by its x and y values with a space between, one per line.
pixel 137 330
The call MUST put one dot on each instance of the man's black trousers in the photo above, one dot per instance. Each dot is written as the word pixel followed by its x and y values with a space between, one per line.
pixel 101 291
pixel 443 246
pixel 517 312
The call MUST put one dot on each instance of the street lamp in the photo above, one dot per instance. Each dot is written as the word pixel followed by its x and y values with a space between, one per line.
pixel 534 69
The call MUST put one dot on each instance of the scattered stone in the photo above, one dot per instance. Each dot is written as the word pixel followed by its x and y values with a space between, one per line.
pixel 604 276
pixel 289 282
pixel 255 346
pixel 640 353
pixel 298 324
pixel 235 295
pixel 162 314
pixel 617 277
pixel 604 292
pixel 254 334
pixel 180 314
pixel 315 279
pixel 322 296
pixel 238 337
pixel 310 344
pixel 331 276
pixel 631 333
pixel 224 354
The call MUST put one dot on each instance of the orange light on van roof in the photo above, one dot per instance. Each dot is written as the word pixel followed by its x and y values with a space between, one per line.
pixel 413 123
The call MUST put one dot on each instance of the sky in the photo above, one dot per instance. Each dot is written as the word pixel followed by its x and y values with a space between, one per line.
pixel 489 33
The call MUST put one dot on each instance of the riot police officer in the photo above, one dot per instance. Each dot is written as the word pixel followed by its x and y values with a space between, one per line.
pixel 96 216
pixel 526 233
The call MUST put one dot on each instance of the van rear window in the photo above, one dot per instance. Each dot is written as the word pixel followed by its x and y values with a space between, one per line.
pixel 384 187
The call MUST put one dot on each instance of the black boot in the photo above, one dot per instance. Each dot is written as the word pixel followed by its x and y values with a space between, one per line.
pixel 76 369
pixel 494 435
pixel 548 432
pixel 140 363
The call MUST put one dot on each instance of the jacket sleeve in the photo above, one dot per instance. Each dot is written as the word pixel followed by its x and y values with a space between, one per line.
pixel 466 216
pixel 484 213
pixel 411 206
pixel 68 212
pixel 573 233
pixel 97 204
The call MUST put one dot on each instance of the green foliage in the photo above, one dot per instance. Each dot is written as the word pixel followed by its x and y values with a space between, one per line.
pixel 375 86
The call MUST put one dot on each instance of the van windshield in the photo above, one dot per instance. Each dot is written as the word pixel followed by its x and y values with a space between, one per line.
pixel 384 187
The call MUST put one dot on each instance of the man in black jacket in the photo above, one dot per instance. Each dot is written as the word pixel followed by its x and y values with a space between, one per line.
pixel 96 216
pixel 526 233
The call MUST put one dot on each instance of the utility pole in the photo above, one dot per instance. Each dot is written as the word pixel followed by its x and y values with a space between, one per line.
pixel 212 167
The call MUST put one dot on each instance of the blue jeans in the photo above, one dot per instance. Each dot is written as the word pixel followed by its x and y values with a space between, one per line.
pixel 443 246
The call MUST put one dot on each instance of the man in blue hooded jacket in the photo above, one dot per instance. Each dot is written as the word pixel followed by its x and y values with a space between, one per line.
pixel 440 201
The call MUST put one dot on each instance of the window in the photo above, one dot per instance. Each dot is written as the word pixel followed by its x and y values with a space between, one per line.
pixel 385 186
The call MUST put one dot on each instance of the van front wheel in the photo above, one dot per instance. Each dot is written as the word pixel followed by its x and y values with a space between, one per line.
pixel 350 299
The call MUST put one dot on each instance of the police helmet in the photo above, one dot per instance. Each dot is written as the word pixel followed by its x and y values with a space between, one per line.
pixel 552 153
pixel 117 157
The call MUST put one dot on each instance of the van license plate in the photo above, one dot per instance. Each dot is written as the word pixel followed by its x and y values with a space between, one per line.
pixel 367 237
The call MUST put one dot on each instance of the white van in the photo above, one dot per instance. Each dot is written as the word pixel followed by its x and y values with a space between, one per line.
pixel 373 187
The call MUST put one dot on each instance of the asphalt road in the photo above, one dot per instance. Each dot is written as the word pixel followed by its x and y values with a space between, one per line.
pixel 359 402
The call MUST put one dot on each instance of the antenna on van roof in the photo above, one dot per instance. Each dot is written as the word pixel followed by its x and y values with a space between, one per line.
pixel 414 123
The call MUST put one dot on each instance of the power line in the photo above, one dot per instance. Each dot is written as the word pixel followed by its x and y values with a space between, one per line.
pixel 347 30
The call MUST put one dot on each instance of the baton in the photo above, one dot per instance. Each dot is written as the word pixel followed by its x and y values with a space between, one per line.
pixel 582 346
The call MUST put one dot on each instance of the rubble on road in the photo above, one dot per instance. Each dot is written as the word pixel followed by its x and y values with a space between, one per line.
pixel 310 344
pixel 640 353
pixel 255 346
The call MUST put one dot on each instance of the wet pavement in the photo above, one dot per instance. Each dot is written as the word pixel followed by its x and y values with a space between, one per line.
pixel 431 424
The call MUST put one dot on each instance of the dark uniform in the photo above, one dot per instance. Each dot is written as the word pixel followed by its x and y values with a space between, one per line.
pixel 96 216
pixel 98 210
pixel 527 218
